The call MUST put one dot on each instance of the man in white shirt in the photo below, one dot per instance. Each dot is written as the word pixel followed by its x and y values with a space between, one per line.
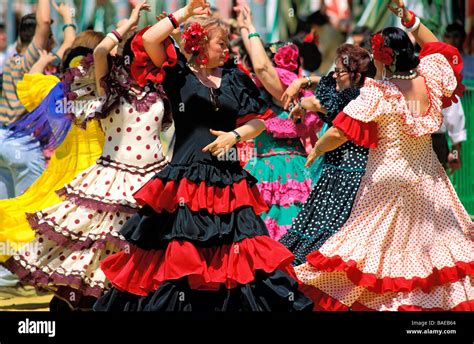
pixel 454 126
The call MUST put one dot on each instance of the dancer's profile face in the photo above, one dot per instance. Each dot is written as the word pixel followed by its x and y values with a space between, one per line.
pixel 217 50
pixel 342 77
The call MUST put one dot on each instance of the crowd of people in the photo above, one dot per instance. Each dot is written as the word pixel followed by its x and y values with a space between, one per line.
pixel 300 176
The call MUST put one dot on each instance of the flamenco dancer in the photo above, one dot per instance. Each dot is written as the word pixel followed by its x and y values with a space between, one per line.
pixel 330 202
pixel 198 244
pixel 280 153
pixel 74 149
pixel 407 244
pixel 73 236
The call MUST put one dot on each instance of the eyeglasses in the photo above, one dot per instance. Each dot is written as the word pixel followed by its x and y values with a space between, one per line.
pixel 214 95
pixel 340 72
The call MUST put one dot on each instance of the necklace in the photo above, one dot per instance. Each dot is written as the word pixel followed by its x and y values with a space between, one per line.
pixel 413 74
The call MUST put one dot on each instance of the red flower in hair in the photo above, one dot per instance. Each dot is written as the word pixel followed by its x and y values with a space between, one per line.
pixel 381 52
pixel 202 59
pixel 195 36
pixel 287 57
pixel 310 38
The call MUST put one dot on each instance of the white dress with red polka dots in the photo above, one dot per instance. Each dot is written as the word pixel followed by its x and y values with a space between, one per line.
pixel 75 235
pixel 407 244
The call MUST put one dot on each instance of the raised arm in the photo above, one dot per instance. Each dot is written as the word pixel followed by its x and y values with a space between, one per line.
pixel 153 38
pixel 43 24
pixel 422 34
pixel 102 51
pixel 262 65
pixel 67 13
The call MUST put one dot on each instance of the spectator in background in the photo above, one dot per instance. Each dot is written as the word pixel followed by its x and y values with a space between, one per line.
pixel 22 161
pixel 361 36
pixel 455 35
pixel 453 116
pixel 329 38
pixel 3 51
pixel 453 125
pixel 3 47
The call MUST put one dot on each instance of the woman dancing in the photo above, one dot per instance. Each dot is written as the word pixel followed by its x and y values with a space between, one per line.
pixel 330 202
pixel 73 236
pixel 199 244
pixel 407 244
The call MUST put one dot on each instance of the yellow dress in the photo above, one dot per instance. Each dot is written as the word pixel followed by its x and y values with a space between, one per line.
pixel 79 151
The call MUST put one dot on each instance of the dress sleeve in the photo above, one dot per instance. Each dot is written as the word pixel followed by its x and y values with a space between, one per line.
pixel 442 64
pixel 251 104
pixel 143 69
pixel 33 88
pixel 358 120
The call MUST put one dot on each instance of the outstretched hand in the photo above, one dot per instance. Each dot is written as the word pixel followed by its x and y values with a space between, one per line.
pixel 222 144
pixel 135 15
pixel 198 7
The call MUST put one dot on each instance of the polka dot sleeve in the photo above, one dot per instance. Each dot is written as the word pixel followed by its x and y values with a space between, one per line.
pixel 370 105
pixel 442 64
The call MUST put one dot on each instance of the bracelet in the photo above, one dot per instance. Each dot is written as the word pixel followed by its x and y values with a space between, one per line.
pixel 173 20
pixel 310 83
pixel 253 34
pixel 415 26
pixel 65 26
pixel 411 21
pixel 113 38
pixel 116 34
pixel 237 136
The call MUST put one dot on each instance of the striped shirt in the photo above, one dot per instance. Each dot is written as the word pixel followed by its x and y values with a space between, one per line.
pixel 15 67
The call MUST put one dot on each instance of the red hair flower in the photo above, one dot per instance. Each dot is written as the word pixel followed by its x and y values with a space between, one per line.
pixel 381 52
pixel 287 57
pixel 195 36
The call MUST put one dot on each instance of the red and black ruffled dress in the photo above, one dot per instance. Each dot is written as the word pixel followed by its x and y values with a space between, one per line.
pixel 198 243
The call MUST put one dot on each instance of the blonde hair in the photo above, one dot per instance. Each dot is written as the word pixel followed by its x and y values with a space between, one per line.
pixel 88 39
pixel 211 24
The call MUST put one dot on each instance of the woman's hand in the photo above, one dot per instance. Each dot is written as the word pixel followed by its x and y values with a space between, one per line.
pixel 64 10
pixel 315 153
pixel 291 92
pixel 222 144
pixel 297 114
pixel 135 15
pixel 400 10
pixel 197 7
pixel 46 57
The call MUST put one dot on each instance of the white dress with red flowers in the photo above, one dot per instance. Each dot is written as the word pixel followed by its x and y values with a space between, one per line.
pixel 407 244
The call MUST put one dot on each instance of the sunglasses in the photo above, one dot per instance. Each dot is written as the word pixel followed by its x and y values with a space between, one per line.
pixel 340 72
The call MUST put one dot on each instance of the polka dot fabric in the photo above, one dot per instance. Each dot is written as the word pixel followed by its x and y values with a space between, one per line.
pixel 330 202
pixel 407 244
pixel 75 235
pixel 278 166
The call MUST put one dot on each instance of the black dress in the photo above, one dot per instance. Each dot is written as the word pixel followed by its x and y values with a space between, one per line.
pixel 329 205
pixel 199 243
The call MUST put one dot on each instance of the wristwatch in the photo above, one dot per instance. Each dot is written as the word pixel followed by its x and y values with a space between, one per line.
pixel 237 136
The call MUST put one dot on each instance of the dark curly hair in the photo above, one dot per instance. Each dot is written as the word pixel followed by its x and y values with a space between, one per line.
pixel 357 61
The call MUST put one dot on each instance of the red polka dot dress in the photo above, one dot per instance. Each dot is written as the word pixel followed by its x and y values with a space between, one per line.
pixel 407 244
pixel 75 235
